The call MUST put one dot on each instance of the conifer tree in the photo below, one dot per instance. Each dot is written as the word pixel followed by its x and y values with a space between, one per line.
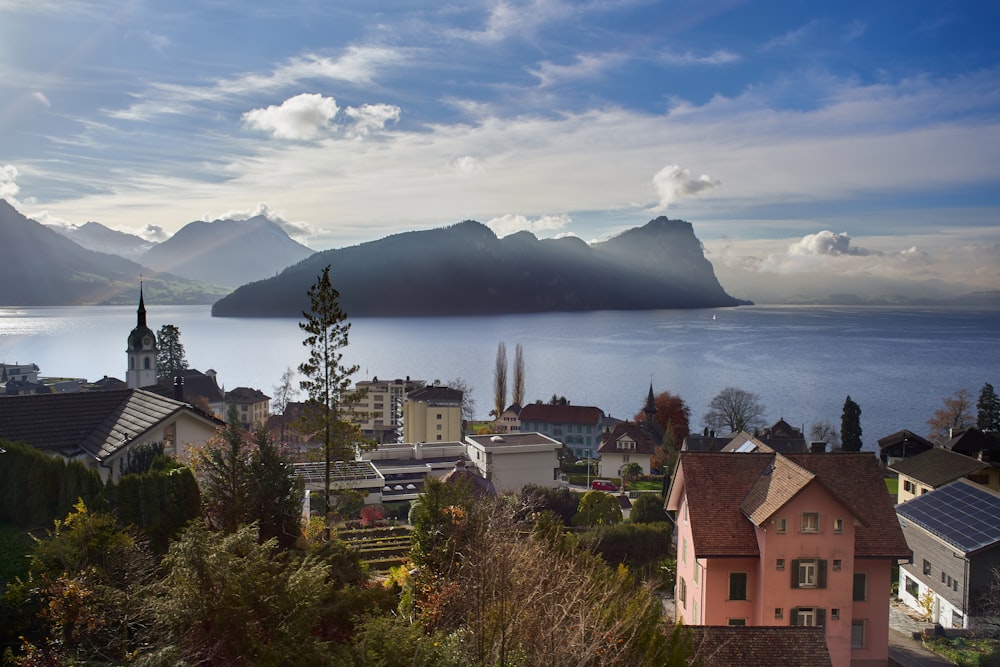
pixel 327 380
pixel 988 406
pixel 170 358
pixel 517 390
pixel 500 380
pixel 850 426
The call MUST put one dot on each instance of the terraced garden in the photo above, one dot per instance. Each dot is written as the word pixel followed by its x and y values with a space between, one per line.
pixel 380 547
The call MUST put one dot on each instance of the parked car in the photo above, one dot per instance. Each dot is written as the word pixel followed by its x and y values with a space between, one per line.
pixel 603 485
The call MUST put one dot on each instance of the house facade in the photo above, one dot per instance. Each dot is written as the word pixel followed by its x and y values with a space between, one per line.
pixel 379 412
pixel 954 532
pixel 512 460
pixel 432 414
pixel 579 427
pixel 766 539
pixel 252 405
pixel 627 442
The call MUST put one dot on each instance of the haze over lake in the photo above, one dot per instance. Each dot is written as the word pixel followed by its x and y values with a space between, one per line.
pixel 897 363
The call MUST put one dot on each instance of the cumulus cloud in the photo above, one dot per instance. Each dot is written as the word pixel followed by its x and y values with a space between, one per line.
pixel 292 228
pixel 370 118
pixel 673 183
pixel 828 243
pixel 8 183
pixel 467 165
pixel 299 118
pixel 511 223
pixel 153 232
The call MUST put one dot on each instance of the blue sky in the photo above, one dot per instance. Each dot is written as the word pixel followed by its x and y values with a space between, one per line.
pixel 806 142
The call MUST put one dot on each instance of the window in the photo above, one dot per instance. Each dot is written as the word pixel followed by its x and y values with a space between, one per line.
pixel 145 363
pixel 737 585
pixel 810 522
pixel 927 566
pixel 908 486
pixel 780 564
pixel 438 426
pixel 782 525
pixel 779 612
pixel 808 616
pixel 683 593
pixel 949 581
pixel 834 614
pixel 857 634
pixel 956 619
pixel 836 564
pixel 696 568
pixel 838 525
pixel 737 621
pixel 439 415
pixel 809 573
pixel 912 587
pixel 860 587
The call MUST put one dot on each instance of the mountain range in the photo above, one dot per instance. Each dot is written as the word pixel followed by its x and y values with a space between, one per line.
pixel 465 269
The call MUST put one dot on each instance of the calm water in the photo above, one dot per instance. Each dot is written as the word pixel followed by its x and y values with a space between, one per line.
pixel 898 364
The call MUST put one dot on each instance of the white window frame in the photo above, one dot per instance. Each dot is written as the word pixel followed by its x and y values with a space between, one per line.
pixel 810 522
pixel 808 574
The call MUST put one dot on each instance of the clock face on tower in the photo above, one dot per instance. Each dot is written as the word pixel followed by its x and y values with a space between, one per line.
pixel 147 341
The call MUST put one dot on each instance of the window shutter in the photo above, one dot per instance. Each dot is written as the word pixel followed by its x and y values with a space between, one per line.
pixel 794 616
pixel 795 575
pixel 821 617
pixel 821 575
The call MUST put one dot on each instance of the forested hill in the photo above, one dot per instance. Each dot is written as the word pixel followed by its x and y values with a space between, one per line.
pixel 466 270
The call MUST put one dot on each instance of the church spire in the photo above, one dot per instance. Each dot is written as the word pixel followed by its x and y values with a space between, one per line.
pixel 141 319
pixel 650 408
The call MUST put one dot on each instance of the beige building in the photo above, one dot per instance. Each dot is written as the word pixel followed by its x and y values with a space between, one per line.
pixel 432 414
pixel 379 411
pixel 512 460
pixel 252 405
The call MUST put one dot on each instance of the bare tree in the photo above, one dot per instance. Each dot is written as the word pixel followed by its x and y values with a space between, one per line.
pixel 956 413
pixel 500 380
pixel 284 392
pixel 734 409
pixel 824 431
pixel 517 395
pixel 468 402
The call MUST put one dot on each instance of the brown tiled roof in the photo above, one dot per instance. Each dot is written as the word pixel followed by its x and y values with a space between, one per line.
pixel 777 484
pixel 644 441
pixel 902 437
pixel 561 414
pixel 856 480
pixel 715 485
pixel 725 493
pixel 938 466
pixel 97 423
pixel 759 646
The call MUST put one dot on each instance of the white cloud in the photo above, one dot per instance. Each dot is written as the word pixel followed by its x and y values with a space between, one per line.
pixel 828 243
pixel 509 19
pixel 152 232
pixel 791 37
pixel 584 67
pixel 720 57
pixel 41 99
pixel 8 183
pixel 467 165
pixel 511 223
pixel 301 118
pixel 292 228
pixel 370 118
pixel 673 183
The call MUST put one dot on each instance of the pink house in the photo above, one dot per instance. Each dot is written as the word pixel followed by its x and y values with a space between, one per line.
pixel 765 539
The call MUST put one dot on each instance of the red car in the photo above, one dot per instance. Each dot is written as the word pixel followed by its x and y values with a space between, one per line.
pixel 603 485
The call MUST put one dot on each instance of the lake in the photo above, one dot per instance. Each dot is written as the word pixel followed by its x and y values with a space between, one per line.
pixel 896 363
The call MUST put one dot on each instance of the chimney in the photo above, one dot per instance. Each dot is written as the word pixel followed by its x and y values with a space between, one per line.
pixel 178 388
pixel 817 447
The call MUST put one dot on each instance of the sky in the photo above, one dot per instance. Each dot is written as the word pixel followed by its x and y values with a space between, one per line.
pixel 850 146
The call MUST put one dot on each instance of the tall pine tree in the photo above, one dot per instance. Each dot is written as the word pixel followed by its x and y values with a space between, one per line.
pixel 850 427
pixel 170 358
pixel 988 407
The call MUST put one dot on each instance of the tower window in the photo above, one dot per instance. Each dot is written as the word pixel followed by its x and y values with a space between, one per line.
pixel 145 363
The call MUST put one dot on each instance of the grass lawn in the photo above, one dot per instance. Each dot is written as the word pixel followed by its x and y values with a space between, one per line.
pixel 15 543
pixel 646 485
pixel 892 484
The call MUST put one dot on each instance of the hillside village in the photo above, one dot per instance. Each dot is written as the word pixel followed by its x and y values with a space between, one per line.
pixel 783 547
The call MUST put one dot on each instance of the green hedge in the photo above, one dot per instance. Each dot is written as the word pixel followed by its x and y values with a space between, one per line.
pixel 36 488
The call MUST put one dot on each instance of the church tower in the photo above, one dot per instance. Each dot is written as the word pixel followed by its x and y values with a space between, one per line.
pixel 141 351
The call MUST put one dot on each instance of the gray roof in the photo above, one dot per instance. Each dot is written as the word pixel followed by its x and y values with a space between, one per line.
pixel 963 514
pixel 96 423
pixel 938 466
